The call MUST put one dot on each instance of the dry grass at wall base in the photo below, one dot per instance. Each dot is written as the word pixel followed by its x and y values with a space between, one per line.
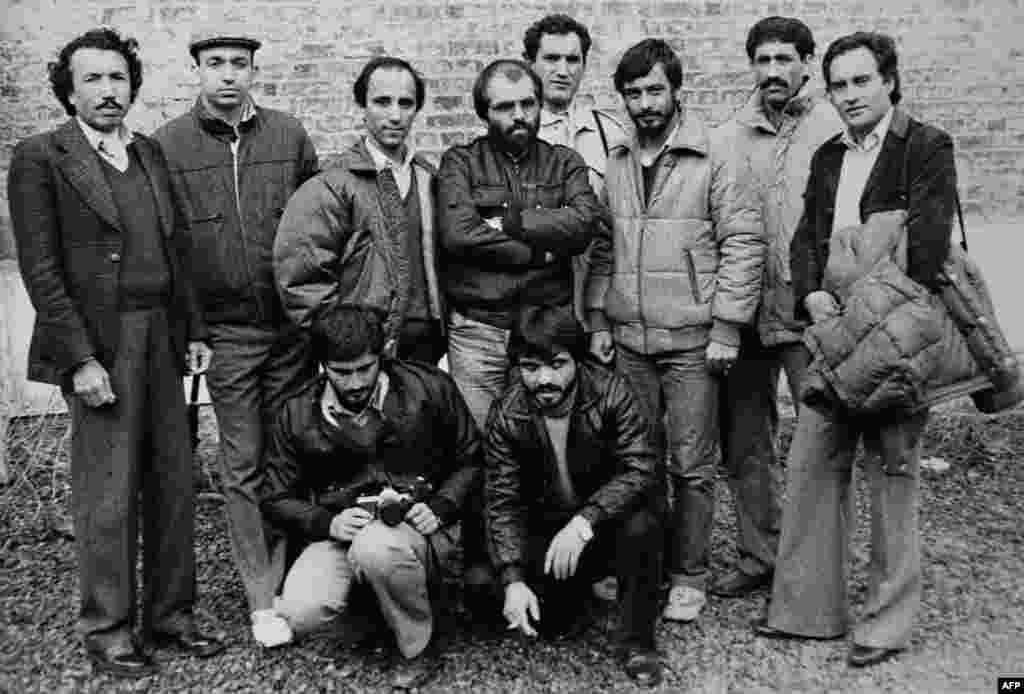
pixel 968 633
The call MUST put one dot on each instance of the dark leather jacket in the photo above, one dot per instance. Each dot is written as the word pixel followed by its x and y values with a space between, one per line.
pixel 611 463
pixel 488 273
pixel 312 474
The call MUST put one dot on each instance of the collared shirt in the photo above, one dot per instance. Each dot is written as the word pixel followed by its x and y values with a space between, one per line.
pixel 401 171
pixel 858 160
pixel 113 147
pixel 647 159
pixel 577 129
pixel 334 410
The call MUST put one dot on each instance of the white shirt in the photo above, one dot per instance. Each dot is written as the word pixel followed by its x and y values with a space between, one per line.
pixel 333 409
pixel 858 160
pixel 113 147
pixel 401 171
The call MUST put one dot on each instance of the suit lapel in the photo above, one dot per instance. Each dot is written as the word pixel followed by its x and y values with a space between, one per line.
pixel 888 157
pixel 158 182
pixel 830 170
pixel 82 168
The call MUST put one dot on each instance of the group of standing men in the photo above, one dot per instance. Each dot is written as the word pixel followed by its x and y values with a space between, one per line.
pixel 609 298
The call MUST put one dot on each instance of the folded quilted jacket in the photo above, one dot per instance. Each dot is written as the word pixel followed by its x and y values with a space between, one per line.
pixel 896 347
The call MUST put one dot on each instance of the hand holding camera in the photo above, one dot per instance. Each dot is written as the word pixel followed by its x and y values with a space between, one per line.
pixel 347 524
pixel 393 504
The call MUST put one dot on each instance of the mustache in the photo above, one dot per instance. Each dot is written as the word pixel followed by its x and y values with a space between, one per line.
pixel 110 101
pixel 774 81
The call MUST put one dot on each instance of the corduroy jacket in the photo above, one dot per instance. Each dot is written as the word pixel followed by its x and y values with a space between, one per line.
pixel 915 171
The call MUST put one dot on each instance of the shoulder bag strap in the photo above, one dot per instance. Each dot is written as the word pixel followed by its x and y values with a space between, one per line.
pixel 600 131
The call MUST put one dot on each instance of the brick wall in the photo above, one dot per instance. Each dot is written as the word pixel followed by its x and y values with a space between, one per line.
pixel 962 63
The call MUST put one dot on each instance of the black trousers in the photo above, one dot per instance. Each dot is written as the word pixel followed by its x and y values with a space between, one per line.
pixel 132 461
pixel 631 550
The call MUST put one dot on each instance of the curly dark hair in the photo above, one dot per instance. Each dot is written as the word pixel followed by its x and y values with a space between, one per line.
pixel 342 331
pixel 387 62
pixel 514 70
pixel 641 58
pixel 881 46
pixel 543 331
pixel 782 30
pixel 559 25
pixel 104 39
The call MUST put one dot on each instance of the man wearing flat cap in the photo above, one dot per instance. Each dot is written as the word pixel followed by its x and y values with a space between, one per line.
pixel 234 165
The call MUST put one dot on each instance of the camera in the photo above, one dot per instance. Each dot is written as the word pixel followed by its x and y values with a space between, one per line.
pixel 392 502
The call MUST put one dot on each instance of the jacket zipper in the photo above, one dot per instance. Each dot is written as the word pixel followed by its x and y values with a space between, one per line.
pixel 235 145
pixel 691 270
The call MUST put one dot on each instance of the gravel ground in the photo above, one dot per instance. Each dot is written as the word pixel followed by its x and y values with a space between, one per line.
pixel 971 628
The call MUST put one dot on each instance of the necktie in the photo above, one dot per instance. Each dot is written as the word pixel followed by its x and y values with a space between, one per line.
pixel 117 156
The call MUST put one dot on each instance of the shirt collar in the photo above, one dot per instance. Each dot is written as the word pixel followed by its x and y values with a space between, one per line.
pixel 120 138
pixel 247 113
pixel 574 118
pixel 333 409
pixel 382 161
pixel 873 139
pixel 645 161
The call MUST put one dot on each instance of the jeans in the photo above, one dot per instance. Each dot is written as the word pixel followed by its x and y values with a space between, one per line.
pixel 252 368
pixel 398 564
pixel 749 424
pixel 679 383
pixel 478 360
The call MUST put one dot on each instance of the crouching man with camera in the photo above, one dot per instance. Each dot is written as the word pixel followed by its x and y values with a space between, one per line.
pixel 368 461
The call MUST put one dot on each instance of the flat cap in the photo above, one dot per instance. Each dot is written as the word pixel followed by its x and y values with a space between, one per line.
pixel 221 35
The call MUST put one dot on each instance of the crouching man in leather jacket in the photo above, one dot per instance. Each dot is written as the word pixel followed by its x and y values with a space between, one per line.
pixel 571 485
pixel 364 425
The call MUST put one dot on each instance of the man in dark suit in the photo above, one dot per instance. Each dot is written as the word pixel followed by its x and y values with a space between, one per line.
pixel 885 160
pixel 116 327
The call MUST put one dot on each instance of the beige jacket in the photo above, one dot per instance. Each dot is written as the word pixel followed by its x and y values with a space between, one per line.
pixel 685 266
pixel 780 159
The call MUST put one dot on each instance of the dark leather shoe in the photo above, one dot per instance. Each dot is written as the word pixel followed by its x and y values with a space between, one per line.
pixel 737 584
pixel 190 640
pixel 643 667
pixel 766 631
pixel 129 662
pixel 865 656
pixel 412 674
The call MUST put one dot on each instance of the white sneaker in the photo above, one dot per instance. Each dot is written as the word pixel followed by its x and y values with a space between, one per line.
pixel 270 629
pixel 684 603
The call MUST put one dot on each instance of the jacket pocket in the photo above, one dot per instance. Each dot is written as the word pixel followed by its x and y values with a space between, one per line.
pixel 691 272
pixel 211 264
pixel 490 201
